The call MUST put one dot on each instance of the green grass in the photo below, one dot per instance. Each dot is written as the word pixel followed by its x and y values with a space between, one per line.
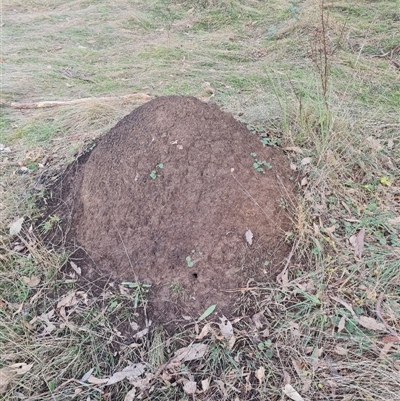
pixel 258 56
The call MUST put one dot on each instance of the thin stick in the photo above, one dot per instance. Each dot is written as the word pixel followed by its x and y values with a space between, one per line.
pixel 57 103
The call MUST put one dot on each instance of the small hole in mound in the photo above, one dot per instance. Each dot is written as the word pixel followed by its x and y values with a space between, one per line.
pixel 194 275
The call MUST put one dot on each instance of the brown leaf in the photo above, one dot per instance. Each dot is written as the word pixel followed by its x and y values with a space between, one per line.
pixel 306 160
pixel 371 324
pixel 190 387
pixel 32 281
pixel 128 372
pixel 95 380
pixel 204 331
pixel 9 373
pixel 340 350
pixel 342 323
pixel 385 350
pixel 68 300
pixel 260 373
pixel 358 243
pixel 249 237
pixel 205 384
pixel 130 395
pixel 190 353
pixel 259 320
pixel 226 327
pixel 390 339
pixel 292 393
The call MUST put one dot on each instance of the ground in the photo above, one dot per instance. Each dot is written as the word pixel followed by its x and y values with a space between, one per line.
pixel 315 82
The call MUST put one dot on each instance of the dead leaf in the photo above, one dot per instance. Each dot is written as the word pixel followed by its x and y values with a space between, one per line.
pixel 8 374
pixel 226 327
pixel 94 380
pixel 370 323
pixel 293 167
pixel 340 350
pixel 249 237
pixel 292 393
pixel 189 387
pixel 131 371
pixel 260 373
pixel 68 300
pixel 141 333
pixel 32 281
pixel 304 181
pixel 342 323
pixel 286 378
pixel 305 161
pixel 259 320
pixel 385 350
pixel 345 304
pixel 130 395
pixel 190 353
pixel 358 243
pixel 205 385
pixel 77 269
pixel 204 331
pixel 395 221
pixel 16 226
pixel 390 339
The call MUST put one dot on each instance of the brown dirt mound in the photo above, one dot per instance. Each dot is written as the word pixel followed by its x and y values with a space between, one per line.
pixel 166 198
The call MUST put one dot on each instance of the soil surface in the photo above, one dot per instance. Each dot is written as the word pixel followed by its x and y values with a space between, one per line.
pixel 166 198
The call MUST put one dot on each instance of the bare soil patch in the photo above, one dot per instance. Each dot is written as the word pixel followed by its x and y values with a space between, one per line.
pixel 166 198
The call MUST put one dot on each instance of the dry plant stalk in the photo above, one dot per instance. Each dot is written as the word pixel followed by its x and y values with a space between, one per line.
pixel 57 103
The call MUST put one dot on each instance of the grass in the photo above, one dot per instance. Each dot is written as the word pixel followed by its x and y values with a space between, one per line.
pixel 266 62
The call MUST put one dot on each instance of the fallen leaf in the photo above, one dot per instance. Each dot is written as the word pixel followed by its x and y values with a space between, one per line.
pixel 292 393
pixel 249 237
pixel 68 300
pixel 16 226
pixel 293 167
pixel 226 327
pixel 190 387
pixel 77 269
pixel 190 353
pixel 141 333
pixel 340 350
pixel 305 161
pixel 342 323
pixel 390 339
pixel 207 312
pixel 395 221
pixel 94 380
pixel 370 323
pixel 8 374
pixel 260 373
pixel 204 331
pixel 128 372
pixel 385 350
pixel 259 320
pixel 286 377
pixel 32 281
pixel 205 384
pixel 130 395
pixel 358 242
pixel 304 181
pixel 86 376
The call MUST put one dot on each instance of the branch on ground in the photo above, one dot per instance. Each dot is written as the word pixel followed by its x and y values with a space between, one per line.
pixel 57 103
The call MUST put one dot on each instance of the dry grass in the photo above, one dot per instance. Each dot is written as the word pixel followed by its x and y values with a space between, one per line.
pixel 331 90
